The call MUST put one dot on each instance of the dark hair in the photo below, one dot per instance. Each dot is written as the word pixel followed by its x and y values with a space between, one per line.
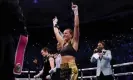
pixel 102 42
pixel 45 49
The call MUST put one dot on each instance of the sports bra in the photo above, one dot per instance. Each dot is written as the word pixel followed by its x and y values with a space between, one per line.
pixel 68 50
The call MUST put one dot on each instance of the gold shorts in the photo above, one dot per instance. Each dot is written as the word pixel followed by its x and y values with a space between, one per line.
pixel 71 69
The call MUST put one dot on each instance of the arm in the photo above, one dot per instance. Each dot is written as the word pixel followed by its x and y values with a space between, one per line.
pixel 40 73
pixel 52 65
pixel 76 27
pixel 92 60
pixel 61 33
pixel 108 55
pixel 51 61
pixel 57 31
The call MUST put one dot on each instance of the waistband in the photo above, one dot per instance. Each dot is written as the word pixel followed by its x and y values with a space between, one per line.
pixel 68 65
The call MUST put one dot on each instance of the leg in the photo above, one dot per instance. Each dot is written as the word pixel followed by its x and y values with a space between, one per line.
pixel 98 77
pixel 74 74
pixel 101 77
pixel 110 77
pixel 65 72
pixel 56 75
pixel 74 71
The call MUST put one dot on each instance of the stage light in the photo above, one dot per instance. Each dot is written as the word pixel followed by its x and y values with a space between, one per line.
pixel 35 1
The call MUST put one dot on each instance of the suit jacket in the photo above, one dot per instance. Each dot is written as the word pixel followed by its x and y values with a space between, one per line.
pixel 103 64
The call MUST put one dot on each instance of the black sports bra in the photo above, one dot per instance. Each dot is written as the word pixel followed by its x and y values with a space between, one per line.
pixel 68 50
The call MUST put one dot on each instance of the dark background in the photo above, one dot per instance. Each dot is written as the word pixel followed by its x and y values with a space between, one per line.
pixel 41 12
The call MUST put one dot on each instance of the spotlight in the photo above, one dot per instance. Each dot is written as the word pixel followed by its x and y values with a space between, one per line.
pixel 35 1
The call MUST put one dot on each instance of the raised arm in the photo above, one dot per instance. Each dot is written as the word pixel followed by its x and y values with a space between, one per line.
pixel 61 33
pixel 92 60
pixel 108 55
pixel 57 31
pixel 76 27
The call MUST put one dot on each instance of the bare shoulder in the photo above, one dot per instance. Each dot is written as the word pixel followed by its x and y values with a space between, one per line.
pixel 51 58
pixel 74 45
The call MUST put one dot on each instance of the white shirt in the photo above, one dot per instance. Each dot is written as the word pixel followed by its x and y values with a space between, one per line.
pixel 96 56
pixel 58 61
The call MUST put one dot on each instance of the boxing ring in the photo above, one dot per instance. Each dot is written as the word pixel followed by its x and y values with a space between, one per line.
pixel 82 77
